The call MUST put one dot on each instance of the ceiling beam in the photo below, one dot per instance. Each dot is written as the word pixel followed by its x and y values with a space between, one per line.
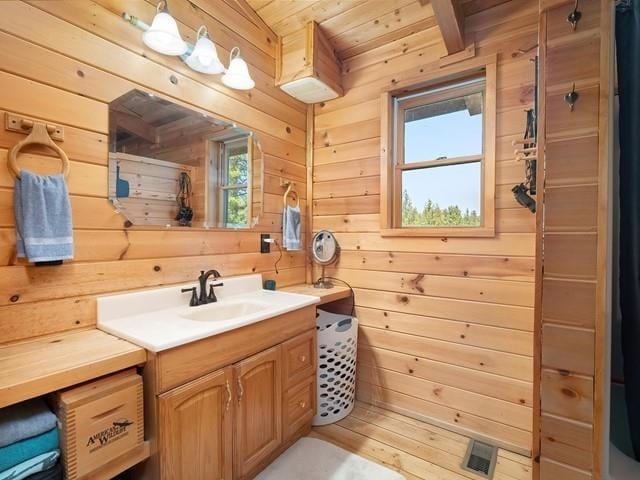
pixel 451 22
pixel 135 125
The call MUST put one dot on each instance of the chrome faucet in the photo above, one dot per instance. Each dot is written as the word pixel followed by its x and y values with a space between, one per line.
pixel 204 298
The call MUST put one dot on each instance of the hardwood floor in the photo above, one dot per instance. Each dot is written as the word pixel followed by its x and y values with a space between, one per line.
pixel 416 449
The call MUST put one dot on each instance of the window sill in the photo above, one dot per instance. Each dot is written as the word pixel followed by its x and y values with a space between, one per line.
pixel 438 232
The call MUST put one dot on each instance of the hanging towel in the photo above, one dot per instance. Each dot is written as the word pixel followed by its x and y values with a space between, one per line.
pixel 44 230
pixel 45 463
pixel 21 451
pixel 291 228
pixel 25 420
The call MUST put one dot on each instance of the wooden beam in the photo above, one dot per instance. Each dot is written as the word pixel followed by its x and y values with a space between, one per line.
pixel 250 13
pixel 135 125
pixel 451 22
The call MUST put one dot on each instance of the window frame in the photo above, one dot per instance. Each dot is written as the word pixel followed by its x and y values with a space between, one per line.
pixel 223 186
pixel 217 173
pixel 392 141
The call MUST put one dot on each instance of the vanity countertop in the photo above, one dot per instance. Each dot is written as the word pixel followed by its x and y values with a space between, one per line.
pixel 34 367
pixel 161 318
pixel 326 295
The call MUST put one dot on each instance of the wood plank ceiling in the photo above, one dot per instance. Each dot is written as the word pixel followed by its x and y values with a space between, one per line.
pixel 357 26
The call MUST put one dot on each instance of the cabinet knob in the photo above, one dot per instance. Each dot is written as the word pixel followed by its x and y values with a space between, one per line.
pixel 302 358
pixel 302 404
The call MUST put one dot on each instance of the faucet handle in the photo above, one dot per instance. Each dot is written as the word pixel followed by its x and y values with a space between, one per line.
pixel 194 296
pixel 212 296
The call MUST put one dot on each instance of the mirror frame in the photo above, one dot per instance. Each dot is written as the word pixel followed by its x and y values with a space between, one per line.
pixel 336 252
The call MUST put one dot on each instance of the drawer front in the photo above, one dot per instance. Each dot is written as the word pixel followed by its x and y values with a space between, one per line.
pixel 299 357
pixel 299 406
pixel 180 365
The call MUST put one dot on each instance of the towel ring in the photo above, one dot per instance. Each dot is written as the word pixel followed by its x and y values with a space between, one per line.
pixel 39 135
pixel 290 191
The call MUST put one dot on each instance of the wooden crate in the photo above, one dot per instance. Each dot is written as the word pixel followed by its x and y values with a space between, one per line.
pixel 100 421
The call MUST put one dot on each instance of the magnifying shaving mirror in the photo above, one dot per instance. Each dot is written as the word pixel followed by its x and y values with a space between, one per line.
pixel 324 251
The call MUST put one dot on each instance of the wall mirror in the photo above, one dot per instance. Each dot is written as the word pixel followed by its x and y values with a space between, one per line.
pixel 173 166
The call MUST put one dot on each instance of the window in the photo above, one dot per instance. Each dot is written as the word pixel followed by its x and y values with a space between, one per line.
pixel 438 175
pixel 230 178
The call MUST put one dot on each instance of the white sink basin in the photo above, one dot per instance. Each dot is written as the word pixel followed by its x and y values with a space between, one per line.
pixel 161 318
pixel 218 312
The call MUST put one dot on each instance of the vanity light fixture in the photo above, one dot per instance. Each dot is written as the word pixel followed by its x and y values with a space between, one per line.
pixel 237 76
pixel 163 37
pixel 204 57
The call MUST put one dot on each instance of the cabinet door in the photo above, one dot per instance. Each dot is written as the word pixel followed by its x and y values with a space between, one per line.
pixel 196 429
pixel 258 430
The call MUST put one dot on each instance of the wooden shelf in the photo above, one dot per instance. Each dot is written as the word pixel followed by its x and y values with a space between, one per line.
pixel 338 292
pixel 45 364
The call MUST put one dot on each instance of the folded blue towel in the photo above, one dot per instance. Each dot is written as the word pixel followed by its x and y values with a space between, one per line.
pixel 21 451
pixel 25 420
pixel 54 473
pixel 291 228
pixel 44 229
pixel 31 466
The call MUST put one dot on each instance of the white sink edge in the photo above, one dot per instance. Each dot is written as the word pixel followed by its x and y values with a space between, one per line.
pixel 158 330
pixel 221 327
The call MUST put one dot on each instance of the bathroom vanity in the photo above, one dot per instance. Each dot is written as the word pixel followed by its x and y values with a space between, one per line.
pixel 229 385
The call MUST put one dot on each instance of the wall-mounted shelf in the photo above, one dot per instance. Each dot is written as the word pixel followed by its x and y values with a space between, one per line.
pixel 326 295
pixel 46 364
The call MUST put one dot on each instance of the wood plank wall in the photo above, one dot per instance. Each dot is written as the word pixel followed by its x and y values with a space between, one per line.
pixel 446 324
pixel 574 280
pixel 63 62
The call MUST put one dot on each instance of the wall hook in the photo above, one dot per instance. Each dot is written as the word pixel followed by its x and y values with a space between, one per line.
pixel 572 97
pixel 574 17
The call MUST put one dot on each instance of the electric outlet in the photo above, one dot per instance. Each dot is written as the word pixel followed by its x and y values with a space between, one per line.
pixel 265 247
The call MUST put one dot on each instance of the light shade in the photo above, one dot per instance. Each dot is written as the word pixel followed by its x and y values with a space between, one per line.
pixel 163 35
pixel 204 57
pixel 237 75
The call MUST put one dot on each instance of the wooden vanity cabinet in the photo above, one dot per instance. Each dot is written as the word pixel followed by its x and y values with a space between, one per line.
pixel 196 428
pixel 224 407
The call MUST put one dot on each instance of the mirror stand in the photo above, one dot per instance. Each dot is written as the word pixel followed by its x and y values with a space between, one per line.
pixel 323 282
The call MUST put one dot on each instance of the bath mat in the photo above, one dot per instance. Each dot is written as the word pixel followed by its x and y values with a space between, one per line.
pixel 313 459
